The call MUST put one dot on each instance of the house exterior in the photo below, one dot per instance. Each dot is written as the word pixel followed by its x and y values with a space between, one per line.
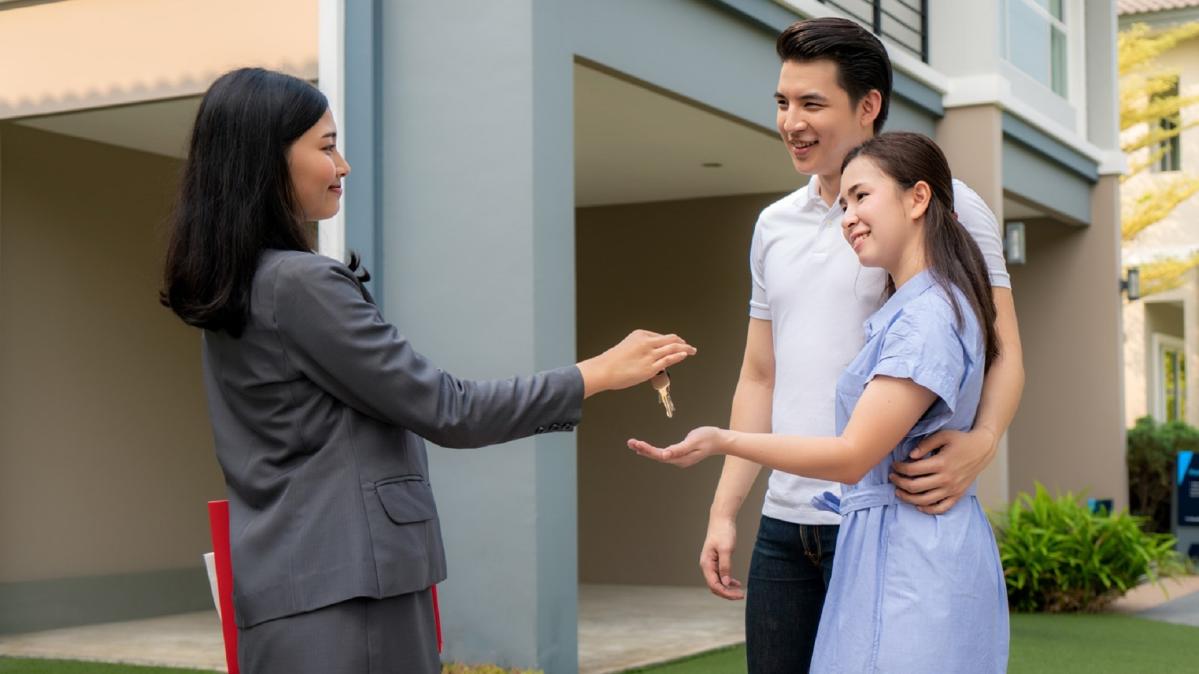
pixel 1161 330
pixel 532 179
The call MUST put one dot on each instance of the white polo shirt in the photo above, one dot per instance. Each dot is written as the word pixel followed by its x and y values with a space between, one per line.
pixel 808 283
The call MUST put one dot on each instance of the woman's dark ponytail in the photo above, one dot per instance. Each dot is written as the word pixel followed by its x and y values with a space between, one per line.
pixel 953 255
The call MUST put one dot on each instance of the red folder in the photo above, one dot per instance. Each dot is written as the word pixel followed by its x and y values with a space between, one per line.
pixel 218 522
pixel 437 618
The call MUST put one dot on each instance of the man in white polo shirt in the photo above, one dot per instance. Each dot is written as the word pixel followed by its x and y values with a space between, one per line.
pixel 809 299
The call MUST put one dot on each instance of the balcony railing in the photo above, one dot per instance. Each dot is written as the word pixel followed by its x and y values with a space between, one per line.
pixel 903 22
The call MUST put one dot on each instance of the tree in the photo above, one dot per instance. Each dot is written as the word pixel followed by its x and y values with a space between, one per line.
pixel 1149 94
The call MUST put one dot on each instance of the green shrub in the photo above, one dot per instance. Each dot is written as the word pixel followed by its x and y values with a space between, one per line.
pixel 1058 556
pixel 1152 453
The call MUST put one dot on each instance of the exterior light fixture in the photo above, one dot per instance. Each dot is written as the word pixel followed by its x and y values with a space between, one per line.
pixel 1132 284
pixel 1013 243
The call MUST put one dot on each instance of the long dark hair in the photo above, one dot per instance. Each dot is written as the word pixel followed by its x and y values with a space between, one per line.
pixel 235 198
pixel 861 59
pixel 952 255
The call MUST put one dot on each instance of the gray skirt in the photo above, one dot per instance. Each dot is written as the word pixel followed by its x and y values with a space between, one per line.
pixel 395 635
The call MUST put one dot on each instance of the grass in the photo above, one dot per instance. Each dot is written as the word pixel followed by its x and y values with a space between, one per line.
pixel 1041 644
pixel 722 661
pixel 1100 643
pixel 39 666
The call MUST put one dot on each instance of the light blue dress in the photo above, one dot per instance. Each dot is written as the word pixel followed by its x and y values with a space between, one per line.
pixel 912 592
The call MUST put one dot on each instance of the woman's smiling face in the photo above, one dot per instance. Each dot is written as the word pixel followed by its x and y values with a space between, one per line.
pixel 877 221
pixel 317 169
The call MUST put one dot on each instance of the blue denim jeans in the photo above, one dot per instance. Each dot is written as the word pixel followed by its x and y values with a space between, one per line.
pixel 788 577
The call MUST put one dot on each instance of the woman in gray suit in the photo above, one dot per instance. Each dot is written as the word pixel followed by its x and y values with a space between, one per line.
pixel 319 406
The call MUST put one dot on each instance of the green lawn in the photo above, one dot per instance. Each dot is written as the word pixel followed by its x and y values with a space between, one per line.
pixel 1100 643
pixel 1049 644
pixel 37 666
pixel 723 661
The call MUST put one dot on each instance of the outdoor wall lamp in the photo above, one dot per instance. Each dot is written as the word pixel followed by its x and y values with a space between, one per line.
pixel 1132 284
pixel 1013 242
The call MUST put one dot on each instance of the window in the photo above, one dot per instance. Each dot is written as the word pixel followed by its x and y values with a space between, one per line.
pixel 1036 40
pixel 1170 399
pixel 1170 148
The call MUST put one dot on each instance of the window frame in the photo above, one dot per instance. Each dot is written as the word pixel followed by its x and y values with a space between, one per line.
pixel 1063 26
pixel 1171 160
pixel 1161 343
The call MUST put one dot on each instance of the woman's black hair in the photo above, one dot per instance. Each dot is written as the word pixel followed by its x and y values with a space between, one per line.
pixel 952 254
pixel 235 198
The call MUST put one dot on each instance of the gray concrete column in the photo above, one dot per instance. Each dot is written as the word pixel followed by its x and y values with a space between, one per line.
pixel 362 130
pixel 478 245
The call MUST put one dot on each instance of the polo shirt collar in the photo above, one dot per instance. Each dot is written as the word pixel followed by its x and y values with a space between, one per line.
pixel 809 199
pixel 906 293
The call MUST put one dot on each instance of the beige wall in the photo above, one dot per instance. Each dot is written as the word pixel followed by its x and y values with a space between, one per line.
pixel 1143 320
pixel 90 53
pixel 670 266
pixel 105 451
pixel 971 138
pixel 1190 318
pixel 1069 433
pixel 1164 317
pixel 1180 228
pixel 1137 392
pixel 1175 234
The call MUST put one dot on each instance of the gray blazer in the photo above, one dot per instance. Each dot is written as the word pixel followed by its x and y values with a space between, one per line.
pixel 318 411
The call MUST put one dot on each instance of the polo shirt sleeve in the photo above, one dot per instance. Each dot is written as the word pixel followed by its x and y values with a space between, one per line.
pixel 758 305
pixel 922 344
pixel 977 218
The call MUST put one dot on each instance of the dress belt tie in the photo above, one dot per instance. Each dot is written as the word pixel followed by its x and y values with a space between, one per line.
pixel 855 498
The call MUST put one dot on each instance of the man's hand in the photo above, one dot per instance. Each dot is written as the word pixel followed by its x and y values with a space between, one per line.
pixel 716 559
pixel 934 484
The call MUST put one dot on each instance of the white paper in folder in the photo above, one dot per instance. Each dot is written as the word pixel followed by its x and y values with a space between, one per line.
pixel 210 564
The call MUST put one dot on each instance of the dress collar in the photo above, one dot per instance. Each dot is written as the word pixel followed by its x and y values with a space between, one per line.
pixel 904 294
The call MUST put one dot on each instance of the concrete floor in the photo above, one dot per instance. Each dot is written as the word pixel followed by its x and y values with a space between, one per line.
pixel 185 640
pixel 619 627
pixel 624 626
pixel 1150 596
pixel 1175 601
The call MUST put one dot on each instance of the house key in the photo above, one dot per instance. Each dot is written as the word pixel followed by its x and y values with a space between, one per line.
pixel 661 383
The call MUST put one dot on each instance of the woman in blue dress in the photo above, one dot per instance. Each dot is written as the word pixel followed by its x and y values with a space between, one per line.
pixel 910 592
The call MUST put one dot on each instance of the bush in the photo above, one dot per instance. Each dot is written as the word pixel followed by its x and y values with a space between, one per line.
pixel 1152 454
pixel 1058 556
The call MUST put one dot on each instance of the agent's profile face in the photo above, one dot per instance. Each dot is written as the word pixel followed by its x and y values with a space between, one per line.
pixel 815 118
pixel 876 222
pixel 317 169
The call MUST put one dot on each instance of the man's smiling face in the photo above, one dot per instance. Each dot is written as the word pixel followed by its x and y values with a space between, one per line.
pixel 816 120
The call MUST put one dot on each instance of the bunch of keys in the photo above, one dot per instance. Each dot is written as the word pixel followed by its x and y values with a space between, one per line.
pixel 661 383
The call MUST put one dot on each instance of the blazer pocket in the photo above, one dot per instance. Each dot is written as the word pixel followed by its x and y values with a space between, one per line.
pixel 407 499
